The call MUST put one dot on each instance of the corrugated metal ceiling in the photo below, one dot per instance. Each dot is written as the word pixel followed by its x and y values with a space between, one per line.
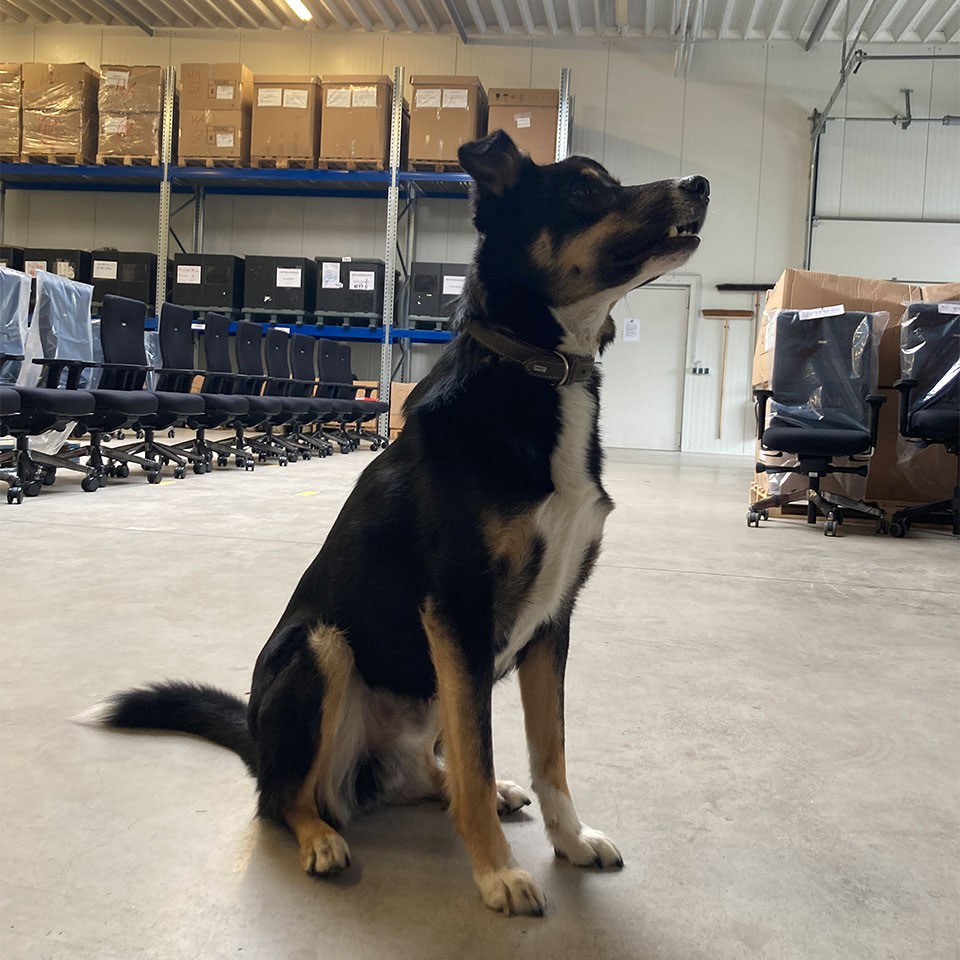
pixel 928 21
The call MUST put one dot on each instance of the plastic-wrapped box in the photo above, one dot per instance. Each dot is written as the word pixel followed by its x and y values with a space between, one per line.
pixel 10 76
pixel 60 111
pixel 131 112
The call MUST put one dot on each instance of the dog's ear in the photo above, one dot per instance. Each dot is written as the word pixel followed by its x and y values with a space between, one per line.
pixel 494 163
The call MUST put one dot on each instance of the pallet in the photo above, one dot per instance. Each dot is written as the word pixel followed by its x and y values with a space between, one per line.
pixel 350 163
pixel 435 166
pixel 9 157
pixel 55 159
pixel 111 160
pixel 283 163
pixel 212 162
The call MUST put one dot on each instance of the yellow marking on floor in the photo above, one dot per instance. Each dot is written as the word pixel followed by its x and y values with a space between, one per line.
pixel 308 493
pixel 163 483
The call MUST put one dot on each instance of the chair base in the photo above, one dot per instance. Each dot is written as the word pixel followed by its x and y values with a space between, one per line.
pixel 944 511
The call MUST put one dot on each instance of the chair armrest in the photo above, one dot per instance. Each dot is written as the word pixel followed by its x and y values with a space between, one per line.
pixel 875 402
pixel 10 356
pixel 761 395
pixel 905 386
pixel 182 372
pixel 56 366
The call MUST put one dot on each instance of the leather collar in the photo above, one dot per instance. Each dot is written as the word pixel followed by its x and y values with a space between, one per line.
pixel 550 365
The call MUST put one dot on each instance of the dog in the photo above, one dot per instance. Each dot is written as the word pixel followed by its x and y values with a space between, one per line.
pixel 482 522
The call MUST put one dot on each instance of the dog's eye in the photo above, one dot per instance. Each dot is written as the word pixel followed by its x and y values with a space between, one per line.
pixel 582 191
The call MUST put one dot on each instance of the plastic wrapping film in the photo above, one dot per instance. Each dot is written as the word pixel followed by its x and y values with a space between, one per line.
pixel 825 364
pixel 59 329
pixel 130 105
pixel 59 109
pixel 14 317
pixel 930 354
pixel 151 347
pixel 9 109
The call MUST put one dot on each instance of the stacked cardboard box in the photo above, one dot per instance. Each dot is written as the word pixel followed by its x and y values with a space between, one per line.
pixel 60 111
pixel 447 112
pixel 216 106
pixel 529 116
pixel 131 112
pixel 356 119
pixel 286 119
pixel 928 476
pixel 10 111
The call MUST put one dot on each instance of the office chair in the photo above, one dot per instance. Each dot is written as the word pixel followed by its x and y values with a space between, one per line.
pixel 337 382
pixel 822 406
pixel 930 397
pixel 366 407
pixel 303 350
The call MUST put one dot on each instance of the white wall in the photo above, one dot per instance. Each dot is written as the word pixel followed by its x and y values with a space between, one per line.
pixel 740 118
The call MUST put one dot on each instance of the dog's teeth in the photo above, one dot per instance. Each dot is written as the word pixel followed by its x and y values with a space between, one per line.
pixel 672 232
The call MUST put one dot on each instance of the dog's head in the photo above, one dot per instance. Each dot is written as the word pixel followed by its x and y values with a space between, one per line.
pixel 573 235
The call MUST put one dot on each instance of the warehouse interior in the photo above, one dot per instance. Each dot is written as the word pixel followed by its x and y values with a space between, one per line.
pixel 763 715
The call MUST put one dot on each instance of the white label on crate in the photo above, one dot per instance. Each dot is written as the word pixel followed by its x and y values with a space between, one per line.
pixel 224 91
pixel 224 139
pixel 188 273
pixel 821 312
pixel 32 266
pixel 948 307
pixel 429 97
pixel 116 78
pixel 115 124
pixel 104 269
pixel 295 98
pixel 522 120
pixel 453 285
pixel 269 96
pixel 362 279
pixel 347 259
pixel 289 277
pixel 338 97
pixel 455 99
pixel 65 269
pixel 364 96
pixel 631 330
pixel 330 276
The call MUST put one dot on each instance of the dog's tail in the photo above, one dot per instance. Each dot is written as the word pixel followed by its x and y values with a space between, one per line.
pixel 184 707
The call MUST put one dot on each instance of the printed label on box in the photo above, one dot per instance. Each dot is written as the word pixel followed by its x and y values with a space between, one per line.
pixel 427 98
pixel 631 330
pixel 456 99
pixel 453 285
pixel 65 269
pixel 105 269
pixel 338 97
pixel 821 312
pixel 522 120
pixel 188 273
pixel 296 99
pixel 364 96
pixel 269 96
pixel 289 277
pixel 116 78
pixel 224 91
pixel 116 125
pixel 330 276
pixel 362 279
pixel 32 266
pixel 948 307
pixel 224 139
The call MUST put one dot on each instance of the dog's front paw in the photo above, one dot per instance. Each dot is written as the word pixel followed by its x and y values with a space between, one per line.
pixel 511 891
pixel 510 797
pixel 324 853
pixel 587 848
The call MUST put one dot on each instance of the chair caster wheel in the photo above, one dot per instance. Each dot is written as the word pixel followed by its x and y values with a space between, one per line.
pixel 830 528
pixel 122 470
pixel 102 478
pixel 899 528
pixel 305 456
pixel 32 488
pixel 91 483
pixel 120 435
pixel 882 526
pixel 14 495
pixel 293 457
pixel 385 444
pixel 262 457
pixel 139 434
pixel 179 472
pixel 344 448
pixel 171 433
pixel 199 466
pixel 249 465
pixel 49 477
pixel 374 446
pixel 153 476
pixel 764 514
pixel 282 462
pixel 223 462
pixel 753 518
pixel 208 465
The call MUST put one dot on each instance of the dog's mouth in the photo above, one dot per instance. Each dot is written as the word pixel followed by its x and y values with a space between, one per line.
pixel 684 234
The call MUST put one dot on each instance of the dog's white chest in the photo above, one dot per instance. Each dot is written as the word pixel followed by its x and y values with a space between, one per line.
pixel 569 521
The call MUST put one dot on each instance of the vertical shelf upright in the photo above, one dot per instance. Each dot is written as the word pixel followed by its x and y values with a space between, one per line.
pixel 163 219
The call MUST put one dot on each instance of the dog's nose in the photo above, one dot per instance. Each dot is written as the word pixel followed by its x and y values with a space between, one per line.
pixel 698 185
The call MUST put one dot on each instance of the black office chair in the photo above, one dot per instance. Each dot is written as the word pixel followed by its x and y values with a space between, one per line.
pixel 930 398
pixel 303 351
pixel 822 407
pixel 365 406
pixel 337 382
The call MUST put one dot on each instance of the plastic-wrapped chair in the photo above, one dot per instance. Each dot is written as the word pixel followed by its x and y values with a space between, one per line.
pixel 930 397
pixel 822 405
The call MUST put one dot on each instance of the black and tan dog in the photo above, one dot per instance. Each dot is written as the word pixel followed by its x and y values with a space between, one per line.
pixel 482 523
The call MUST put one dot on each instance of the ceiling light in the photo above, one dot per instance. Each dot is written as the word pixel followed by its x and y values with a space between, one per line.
pixel 299 9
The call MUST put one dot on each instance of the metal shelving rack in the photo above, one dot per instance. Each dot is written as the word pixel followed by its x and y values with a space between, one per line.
pixel 168 181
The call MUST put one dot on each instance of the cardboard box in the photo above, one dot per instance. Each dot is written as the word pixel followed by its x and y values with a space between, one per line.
pixel 214 133
pixel 286 116
pixel 216 86
pixel 529 116
pixel 10 109
pixel 130 89
pixel 356 118
pixel 59 109
pixel 279 283
pixel 130 135
pixel 804 289
pixel 446 112
pixel 398 397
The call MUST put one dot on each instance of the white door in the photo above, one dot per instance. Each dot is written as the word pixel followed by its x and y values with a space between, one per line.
pixel 643 370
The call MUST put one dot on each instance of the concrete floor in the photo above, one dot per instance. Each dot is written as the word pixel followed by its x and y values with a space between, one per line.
pixel 765 721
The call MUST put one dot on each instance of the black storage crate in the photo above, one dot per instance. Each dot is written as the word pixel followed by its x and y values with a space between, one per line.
pixel 124 274
pixel 72 264
pixel 11 256
pixel 208 280
pixel 279 283
pixel 434 290
pixel 360 287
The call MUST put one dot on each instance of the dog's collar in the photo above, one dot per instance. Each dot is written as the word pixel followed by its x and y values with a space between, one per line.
pixel 550 365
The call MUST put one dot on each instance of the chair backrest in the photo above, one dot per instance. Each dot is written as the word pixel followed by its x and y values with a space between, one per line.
pixel 334 364
pixel 930 354
pixel 249 348
pixel 216 343
pixel 277 351
pixel 176 347
pixel 823 370
pixel 302 352
pixel 121 336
